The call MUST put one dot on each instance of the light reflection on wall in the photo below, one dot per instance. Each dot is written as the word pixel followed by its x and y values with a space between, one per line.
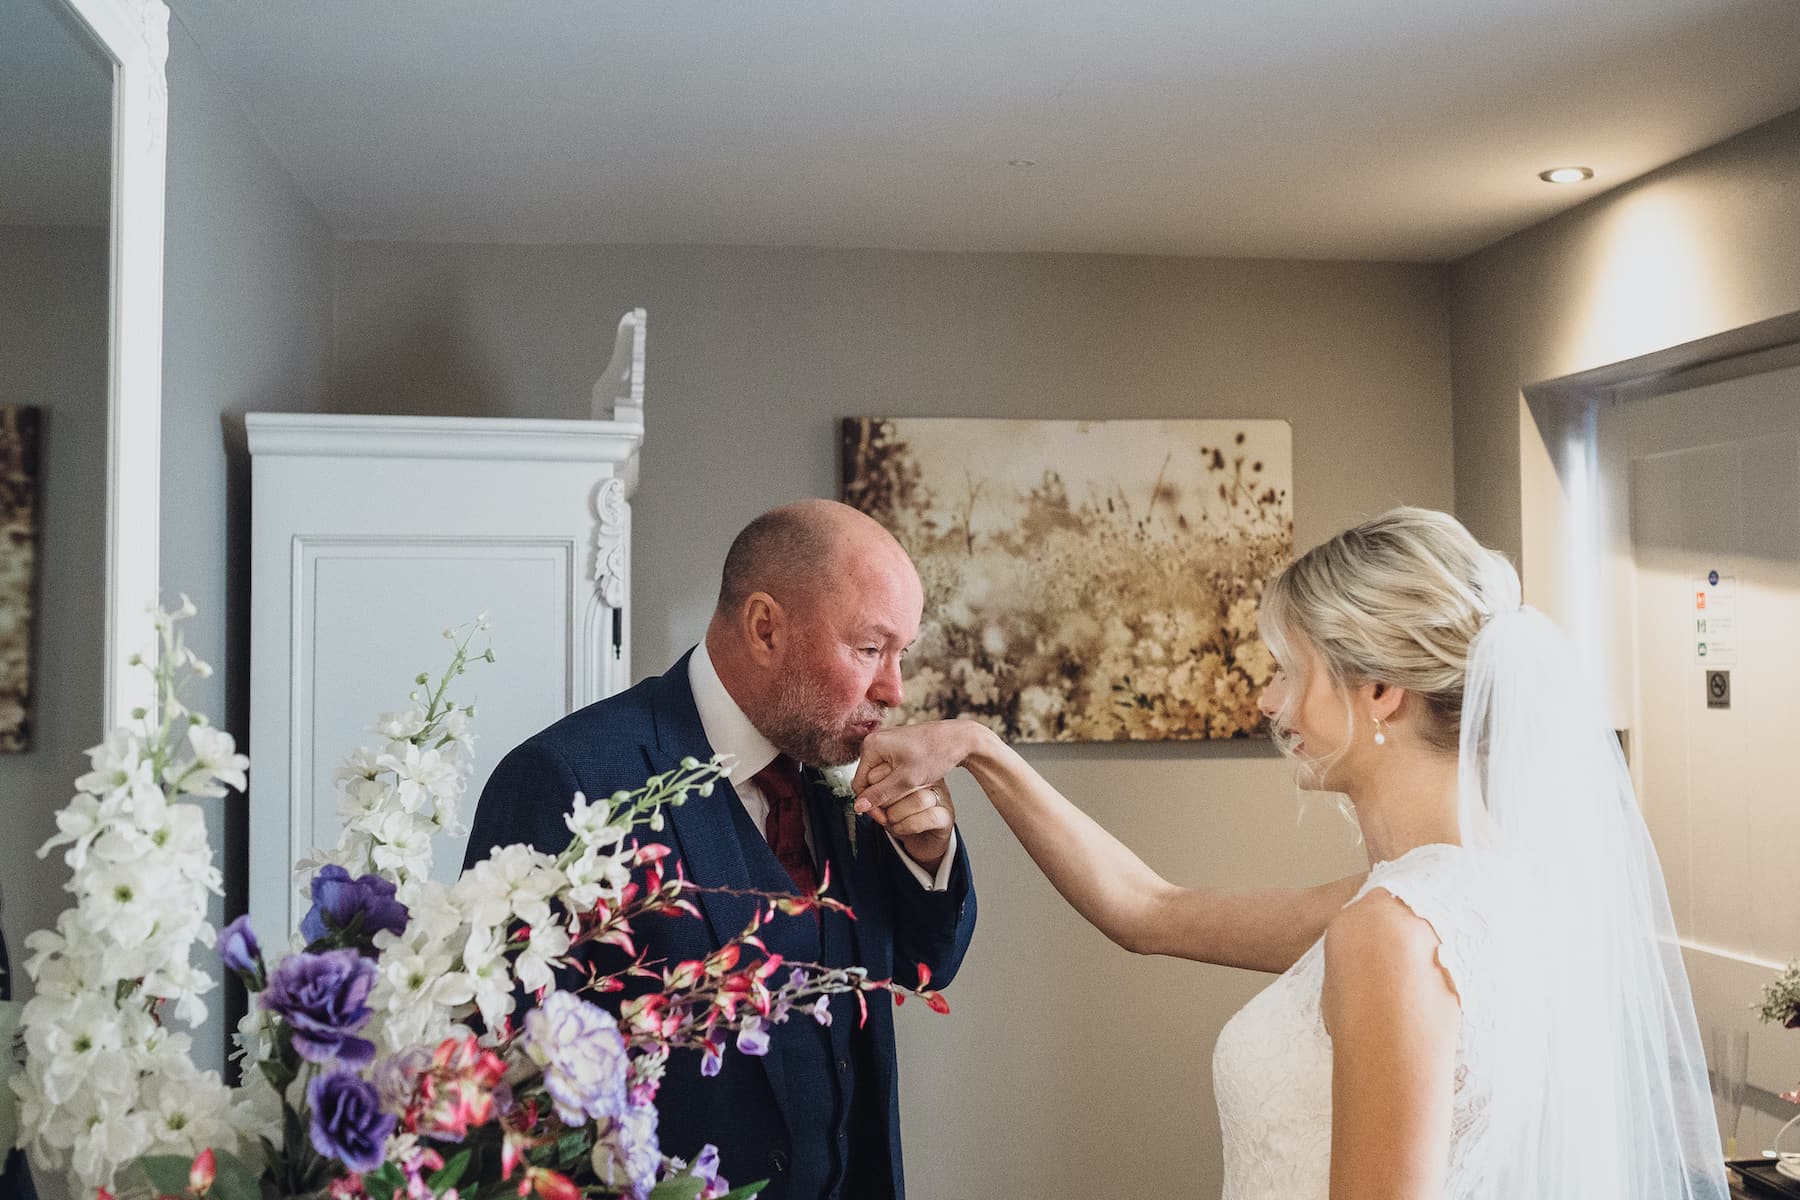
pixel 1649 277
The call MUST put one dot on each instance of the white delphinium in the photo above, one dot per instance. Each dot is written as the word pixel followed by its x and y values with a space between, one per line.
pixel 392 801
pixel 105 1081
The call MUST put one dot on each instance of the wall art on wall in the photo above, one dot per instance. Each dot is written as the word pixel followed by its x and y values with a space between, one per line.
pixel 1085 581
pixel 18 548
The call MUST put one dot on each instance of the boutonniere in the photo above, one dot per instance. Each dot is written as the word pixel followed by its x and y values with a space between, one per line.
pixel 838 779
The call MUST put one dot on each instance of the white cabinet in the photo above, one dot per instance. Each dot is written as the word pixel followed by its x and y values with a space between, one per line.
pixel 371 535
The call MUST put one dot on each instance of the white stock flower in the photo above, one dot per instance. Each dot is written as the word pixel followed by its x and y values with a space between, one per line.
pixel 548 941
pixel 215 766
pixel 516 880
pixel 401 726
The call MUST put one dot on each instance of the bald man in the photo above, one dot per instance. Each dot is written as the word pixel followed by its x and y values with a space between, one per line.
pixel 801 662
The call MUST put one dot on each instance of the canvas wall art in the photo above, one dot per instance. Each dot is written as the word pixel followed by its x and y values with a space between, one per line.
pixel 1085 581
pixel 18 548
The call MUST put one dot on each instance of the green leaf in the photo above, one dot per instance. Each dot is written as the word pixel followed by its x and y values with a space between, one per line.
pixel 452 1172
pixel 233 1179
pixel 167 1173
pixel 745 1192
pixel 682 1187
pixel 383 1180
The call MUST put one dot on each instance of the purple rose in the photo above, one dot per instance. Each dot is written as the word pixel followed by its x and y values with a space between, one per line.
pixel 347 1121
pixel 321 997
pixel 240 953
pixel 339 900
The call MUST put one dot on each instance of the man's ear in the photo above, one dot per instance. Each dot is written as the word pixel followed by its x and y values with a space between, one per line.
pixel 765 629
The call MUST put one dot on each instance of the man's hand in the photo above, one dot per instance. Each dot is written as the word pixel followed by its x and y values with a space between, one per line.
pixel 900 783
pixel 921 821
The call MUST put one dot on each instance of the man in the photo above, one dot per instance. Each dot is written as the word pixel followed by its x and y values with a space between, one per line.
pixel 800 663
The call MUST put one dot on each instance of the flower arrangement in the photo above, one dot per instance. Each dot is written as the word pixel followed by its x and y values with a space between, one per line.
pixel 383 1053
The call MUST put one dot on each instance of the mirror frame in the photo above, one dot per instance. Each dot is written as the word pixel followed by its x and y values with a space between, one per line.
pixel 135 35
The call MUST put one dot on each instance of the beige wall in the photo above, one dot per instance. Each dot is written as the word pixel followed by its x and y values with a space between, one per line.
pixel 1067 1067
pixel 1705 245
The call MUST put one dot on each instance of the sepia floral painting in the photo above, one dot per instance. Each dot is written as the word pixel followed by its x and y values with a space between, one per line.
pixel 1085 581
pixel 18 538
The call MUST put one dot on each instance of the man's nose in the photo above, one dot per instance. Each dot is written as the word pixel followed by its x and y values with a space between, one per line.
pixel 886 687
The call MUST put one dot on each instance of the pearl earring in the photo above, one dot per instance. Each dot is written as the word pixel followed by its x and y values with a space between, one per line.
pixel 1380 732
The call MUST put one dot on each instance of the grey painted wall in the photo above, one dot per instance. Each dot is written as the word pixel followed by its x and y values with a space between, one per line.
pixel 247 325
pixel 53 343
pixel 1705 245
pixel 1067 1067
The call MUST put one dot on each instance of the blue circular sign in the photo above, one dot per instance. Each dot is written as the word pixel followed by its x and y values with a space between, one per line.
pixel 1712 577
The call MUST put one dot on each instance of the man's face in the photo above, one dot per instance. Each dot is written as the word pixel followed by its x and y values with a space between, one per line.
pixel 840 670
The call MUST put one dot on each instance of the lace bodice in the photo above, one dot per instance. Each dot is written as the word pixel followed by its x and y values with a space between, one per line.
pixel 1272 1064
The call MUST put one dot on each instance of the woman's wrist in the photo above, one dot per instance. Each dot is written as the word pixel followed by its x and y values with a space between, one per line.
pixel 980 745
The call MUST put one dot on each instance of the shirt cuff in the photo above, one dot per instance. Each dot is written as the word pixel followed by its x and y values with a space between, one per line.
pixel 931 883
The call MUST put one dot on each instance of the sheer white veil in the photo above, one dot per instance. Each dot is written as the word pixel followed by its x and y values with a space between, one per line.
pixel 1602 1091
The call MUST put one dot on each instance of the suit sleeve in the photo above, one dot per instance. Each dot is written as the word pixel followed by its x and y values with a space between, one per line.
pixel 525 800
pixel 932 928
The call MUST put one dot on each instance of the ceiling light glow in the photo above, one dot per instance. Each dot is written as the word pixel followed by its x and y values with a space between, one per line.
pixel 1567 175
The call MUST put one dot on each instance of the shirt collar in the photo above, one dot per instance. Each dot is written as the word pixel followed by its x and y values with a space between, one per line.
pixel 728 730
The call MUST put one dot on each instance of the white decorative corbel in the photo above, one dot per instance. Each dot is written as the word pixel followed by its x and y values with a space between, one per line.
pixel 619 392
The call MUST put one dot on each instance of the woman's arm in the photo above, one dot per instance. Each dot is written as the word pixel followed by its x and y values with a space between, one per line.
pixel 1394 1018
pixel 1263 929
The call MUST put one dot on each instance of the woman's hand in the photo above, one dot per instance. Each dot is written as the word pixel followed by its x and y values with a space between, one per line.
pixel 898 762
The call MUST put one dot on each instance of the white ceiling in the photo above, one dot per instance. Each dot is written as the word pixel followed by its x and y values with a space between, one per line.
pixel 1363 129
pixel 55 118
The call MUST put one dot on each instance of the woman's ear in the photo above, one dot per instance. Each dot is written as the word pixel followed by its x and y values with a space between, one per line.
pixel 1385 700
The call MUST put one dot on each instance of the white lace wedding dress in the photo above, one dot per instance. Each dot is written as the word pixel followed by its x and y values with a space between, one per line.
pixel 1272 1064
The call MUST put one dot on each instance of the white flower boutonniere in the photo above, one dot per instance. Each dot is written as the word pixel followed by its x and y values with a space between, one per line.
pixel 838 779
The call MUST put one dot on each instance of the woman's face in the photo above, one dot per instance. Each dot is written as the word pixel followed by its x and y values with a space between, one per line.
pixel 1315 726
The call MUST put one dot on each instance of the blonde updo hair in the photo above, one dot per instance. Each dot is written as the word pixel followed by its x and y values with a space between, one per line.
pixel 1397 600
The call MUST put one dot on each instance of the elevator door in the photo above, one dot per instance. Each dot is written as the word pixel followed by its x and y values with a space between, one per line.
pixel 1713 589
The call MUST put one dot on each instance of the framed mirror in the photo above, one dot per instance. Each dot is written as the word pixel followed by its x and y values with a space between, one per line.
pixel 134 34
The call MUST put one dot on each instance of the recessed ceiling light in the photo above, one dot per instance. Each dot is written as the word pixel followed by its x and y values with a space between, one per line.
pixel 1021 162
pixel 1567 175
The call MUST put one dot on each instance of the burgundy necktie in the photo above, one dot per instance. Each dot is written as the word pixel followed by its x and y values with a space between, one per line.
pixel 786 826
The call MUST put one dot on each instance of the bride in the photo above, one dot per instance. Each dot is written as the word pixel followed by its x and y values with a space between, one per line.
pixel 1498 1008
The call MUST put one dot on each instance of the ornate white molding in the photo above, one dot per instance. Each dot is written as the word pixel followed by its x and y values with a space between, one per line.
pixel 612 513
pixel 474 438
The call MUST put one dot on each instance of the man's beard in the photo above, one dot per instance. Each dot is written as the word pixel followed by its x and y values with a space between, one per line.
pixel 806 727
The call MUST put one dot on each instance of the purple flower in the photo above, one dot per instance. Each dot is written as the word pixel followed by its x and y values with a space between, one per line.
pixel 582 1052
pixel 626 1154
pixel 339 900
pixel 347 1121
pixel 706 1169
pixel 752 1038
pixel 240 953
pixel 820 1010
pixel 712 1059
pixel 321 997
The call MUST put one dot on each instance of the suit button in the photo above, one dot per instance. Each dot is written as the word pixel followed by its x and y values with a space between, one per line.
pixel 777 1161
pixel 843 1065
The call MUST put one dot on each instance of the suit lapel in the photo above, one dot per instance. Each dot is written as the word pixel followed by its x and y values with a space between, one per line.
pixel 706 831
pixel 703 826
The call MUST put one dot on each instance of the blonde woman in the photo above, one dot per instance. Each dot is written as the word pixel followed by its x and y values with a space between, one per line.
pixel 1498 1008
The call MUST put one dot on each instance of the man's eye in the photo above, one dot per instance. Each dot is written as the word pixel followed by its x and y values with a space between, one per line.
pixel 871 651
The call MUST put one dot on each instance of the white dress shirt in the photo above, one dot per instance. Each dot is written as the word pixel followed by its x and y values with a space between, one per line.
pixel 730 732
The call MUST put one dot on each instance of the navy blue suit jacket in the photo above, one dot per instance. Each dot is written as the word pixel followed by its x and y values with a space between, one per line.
pixel 749 1109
